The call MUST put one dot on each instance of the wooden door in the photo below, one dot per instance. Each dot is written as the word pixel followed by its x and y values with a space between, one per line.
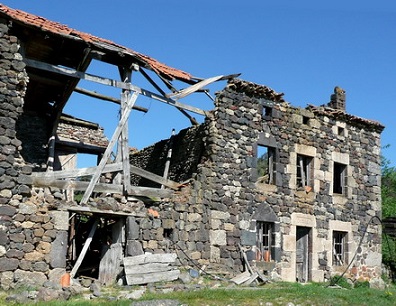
pixel 302 254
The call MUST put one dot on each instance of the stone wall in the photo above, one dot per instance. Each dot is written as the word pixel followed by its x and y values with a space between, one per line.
pixel 227 180
pixel 186 153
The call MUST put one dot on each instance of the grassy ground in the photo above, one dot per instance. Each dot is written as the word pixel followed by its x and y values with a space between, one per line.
pixel 277 294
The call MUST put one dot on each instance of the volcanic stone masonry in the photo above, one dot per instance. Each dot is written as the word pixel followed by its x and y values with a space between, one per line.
pixel 315 227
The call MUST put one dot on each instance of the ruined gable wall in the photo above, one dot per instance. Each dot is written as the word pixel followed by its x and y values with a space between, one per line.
pixel 32 240
pixel 186 148
pixel 227 182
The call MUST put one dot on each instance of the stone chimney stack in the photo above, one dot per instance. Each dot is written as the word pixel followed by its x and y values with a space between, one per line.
pixel 338 99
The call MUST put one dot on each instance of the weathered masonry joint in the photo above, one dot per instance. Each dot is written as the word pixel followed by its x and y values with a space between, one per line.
pixel 293 193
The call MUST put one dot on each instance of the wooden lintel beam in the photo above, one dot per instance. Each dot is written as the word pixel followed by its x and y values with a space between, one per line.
pixel 110 82
pixel 101 187
pixel 94 94
pixel 76 172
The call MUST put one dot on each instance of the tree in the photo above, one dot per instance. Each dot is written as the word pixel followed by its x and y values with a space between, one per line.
pixel 388 194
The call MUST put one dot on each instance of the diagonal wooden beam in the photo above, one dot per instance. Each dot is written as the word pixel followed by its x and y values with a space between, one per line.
pixel 124 118
pixel 110 82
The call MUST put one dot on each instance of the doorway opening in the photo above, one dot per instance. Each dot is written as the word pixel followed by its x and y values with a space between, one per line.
pixel 303 254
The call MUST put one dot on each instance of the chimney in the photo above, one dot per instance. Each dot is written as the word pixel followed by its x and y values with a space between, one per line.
pixel 338 99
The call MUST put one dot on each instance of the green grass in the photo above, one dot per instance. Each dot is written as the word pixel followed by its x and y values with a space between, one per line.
pixel 277 293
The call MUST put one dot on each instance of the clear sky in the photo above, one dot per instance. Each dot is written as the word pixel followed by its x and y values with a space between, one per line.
pixel 301 48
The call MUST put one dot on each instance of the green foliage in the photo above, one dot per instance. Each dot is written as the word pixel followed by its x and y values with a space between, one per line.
pixel 388 193
pixel 340 281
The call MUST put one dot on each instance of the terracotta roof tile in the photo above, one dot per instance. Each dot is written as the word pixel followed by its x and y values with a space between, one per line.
pixel 57 28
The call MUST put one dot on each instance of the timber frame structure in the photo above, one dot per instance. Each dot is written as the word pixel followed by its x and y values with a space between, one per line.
pixel 57 58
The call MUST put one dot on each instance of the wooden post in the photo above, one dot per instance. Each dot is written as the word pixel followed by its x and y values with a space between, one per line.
pixel 168 158
pixel 106 155
pixel 84 250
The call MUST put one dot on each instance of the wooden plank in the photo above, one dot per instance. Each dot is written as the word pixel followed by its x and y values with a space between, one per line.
pixel 152 277
pixel 102 187
pixel 155 178
pixel 106 155
pixel 76 172
pixel 126 75
pixel 94 94
pixel 150 258
pixel 91 211
pixel 193 88
pixel 147 268
pixel 105 81
pixel 241 278
pixel 84 249
pixel 76 185
pixel 110 264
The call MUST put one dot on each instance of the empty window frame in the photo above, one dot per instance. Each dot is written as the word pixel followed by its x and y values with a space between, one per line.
pixel 304 171
pixel 267 111
pixel 265 241
pixel 339 248
pixel 339 178
pixel 266 164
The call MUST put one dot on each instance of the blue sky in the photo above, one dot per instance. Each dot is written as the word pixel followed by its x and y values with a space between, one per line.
pixel 303 49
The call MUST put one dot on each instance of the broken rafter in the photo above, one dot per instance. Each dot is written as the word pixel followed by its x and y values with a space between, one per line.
pixel 151 81
pixel 110 82
pixel 94 94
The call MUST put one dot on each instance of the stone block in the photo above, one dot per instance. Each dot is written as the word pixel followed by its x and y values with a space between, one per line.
pixel 7 210
pixel 29 279
pixel 60 220
pixel 27 208
pixel 217 237
pixel 58 250
pixel 8 264
pixel 215 214
pixel 248 238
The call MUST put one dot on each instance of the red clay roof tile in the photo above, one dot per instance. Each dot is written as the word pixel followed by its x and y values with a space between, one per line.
pixel 57 28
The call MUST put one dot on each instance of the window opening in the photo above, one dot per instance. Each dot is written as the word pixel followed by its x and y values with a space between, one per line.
pixel 265 241
pixel 340 131
pixel 168 233
pixel 304 171
pixel 305 120
pixel 267 111
pixel 339 248
pixel 339 178
pixel 266 164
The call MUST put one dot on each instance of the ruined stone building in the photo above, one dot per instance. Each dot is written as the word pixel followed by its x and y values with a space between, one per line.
pixel 293 191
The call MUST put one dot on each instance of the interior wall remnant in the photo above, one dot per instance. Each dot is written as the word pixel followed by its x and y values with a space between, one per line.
pixel 187 148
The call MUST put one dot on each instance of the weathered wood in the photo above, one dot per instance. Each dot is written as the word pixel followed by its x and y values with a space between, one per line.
pixel 152 277
pixel 126 75
pixel 241 278
pixel 76 185
pixel 105 81
pixel 155 178
pixel 94 94
pixel 147 268
pixel 91 211
pixel 193 88
pixel 106 155
pixel 84 249
pixel 76 172
pixel 80 146
pixel 150 258
pixel 101 187
pixel 110 264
